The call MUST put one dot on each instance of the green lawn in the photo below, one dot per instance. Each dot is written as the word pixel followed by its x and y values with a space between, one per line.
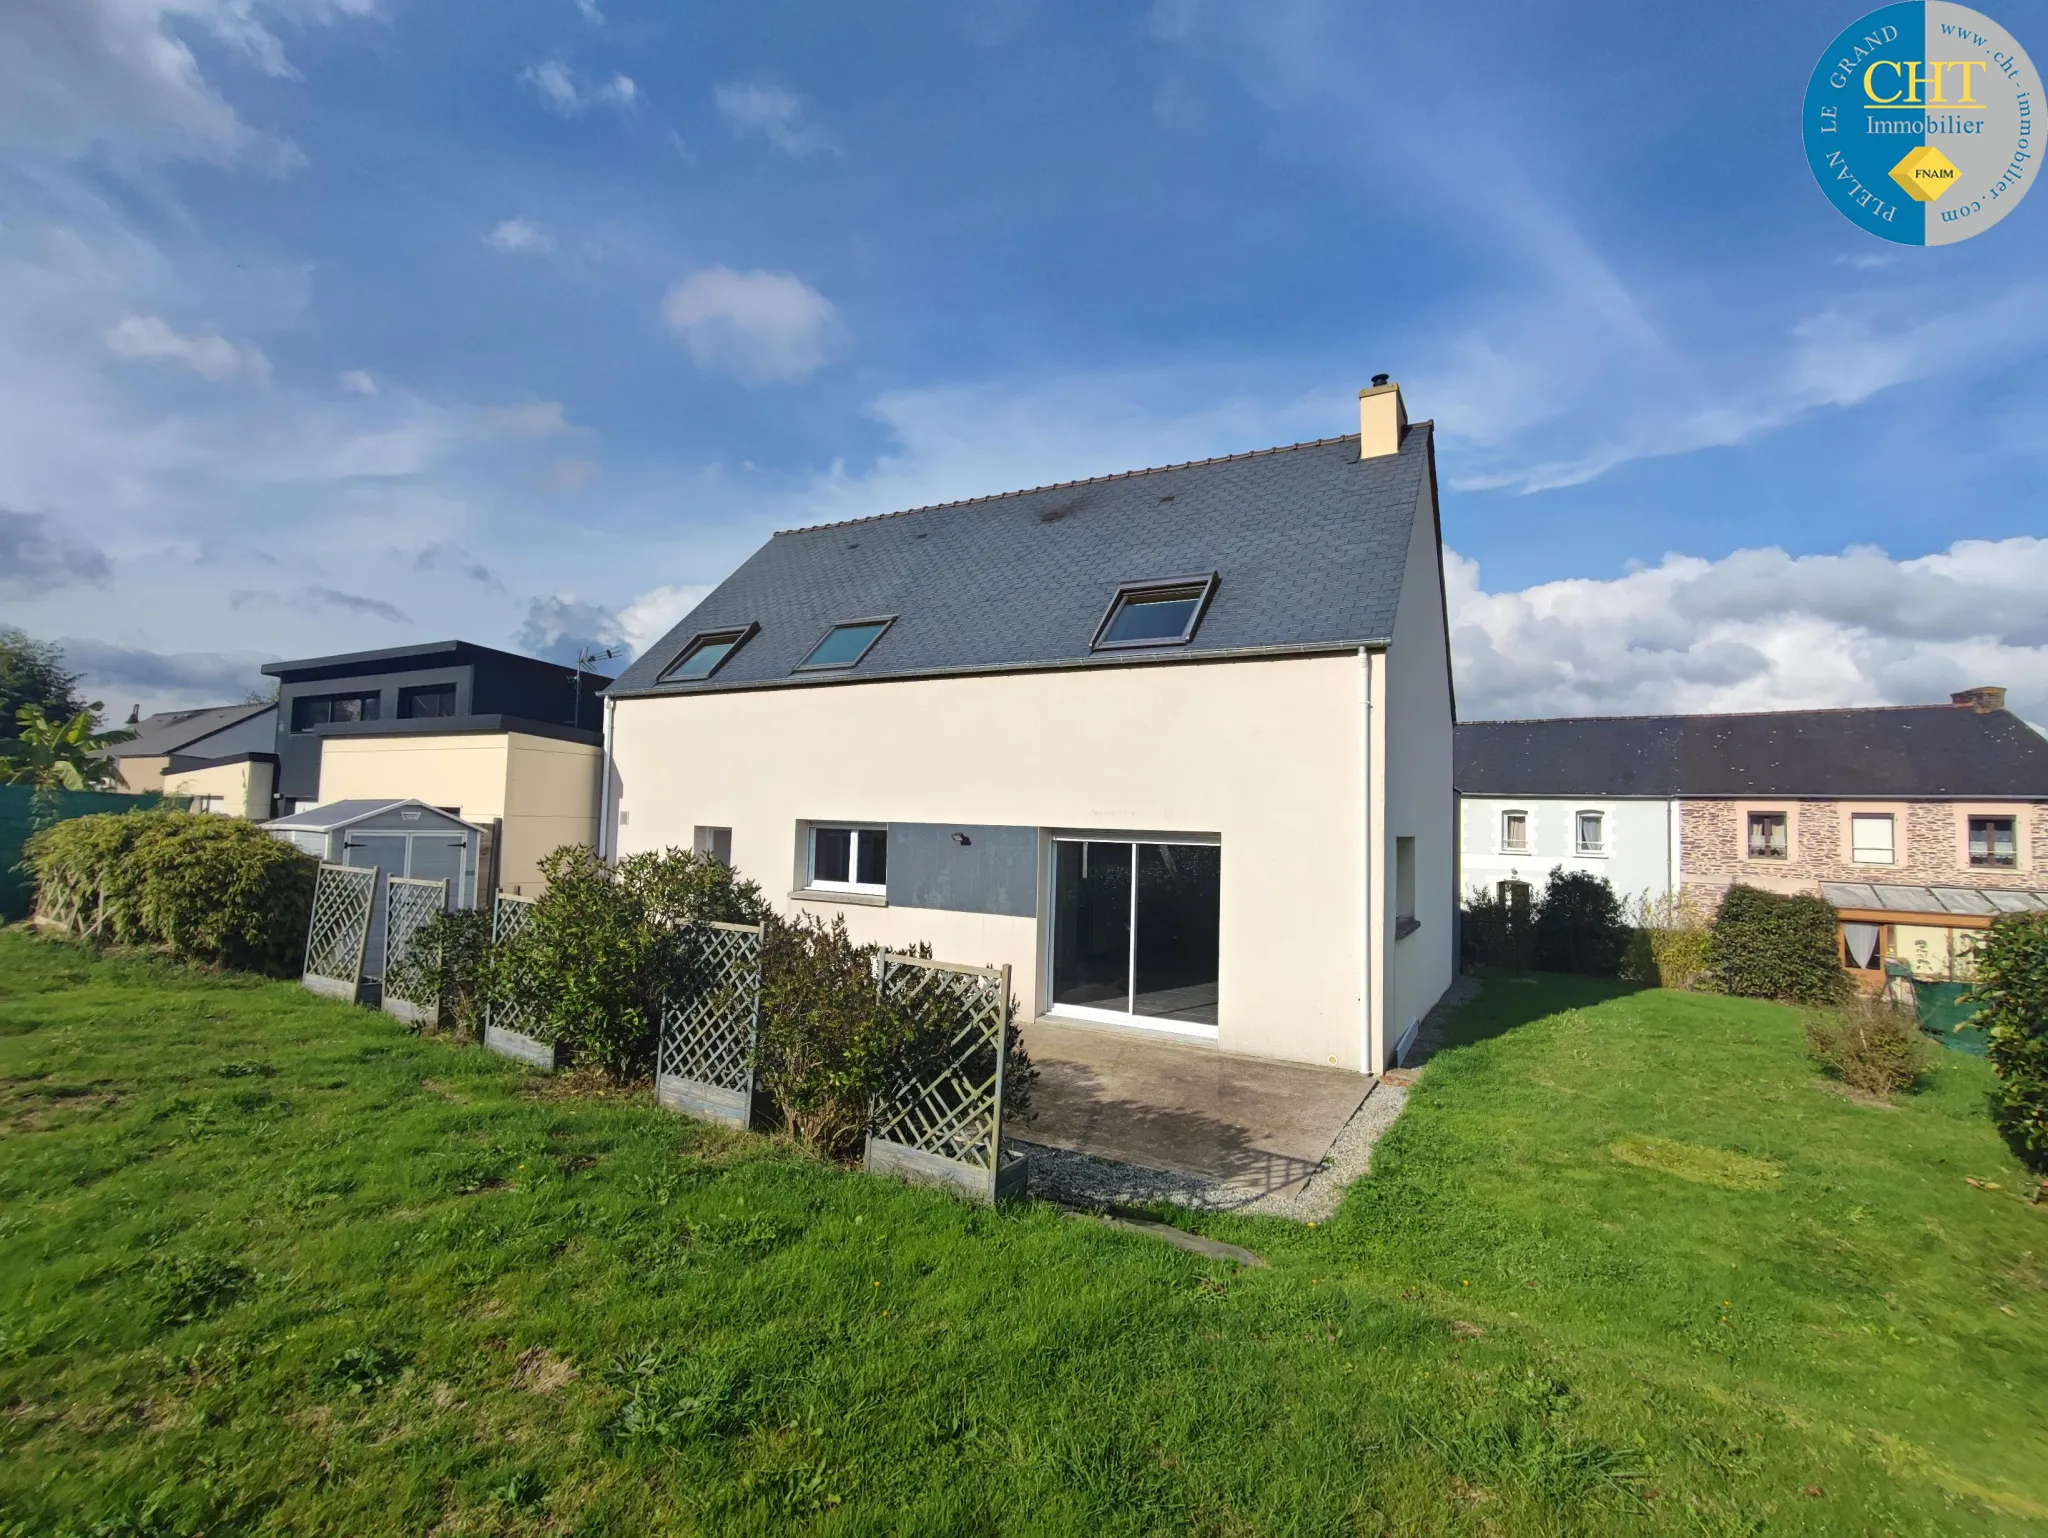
pixel 269 1264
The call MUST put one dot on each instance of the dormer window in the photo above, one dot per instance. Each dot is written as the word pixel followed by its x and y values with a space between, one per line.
pixel 705 655
pixel 844 645
pixel 1161 613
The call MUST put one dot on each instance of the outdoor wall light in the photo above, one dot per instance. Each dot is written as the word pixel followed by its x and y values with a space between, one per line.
pixel 962 839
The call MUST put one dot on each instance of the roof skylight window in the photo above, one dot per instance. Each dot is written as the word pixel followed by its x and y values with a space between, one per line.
pixel 705 655
pixel 844 645
pixel 1155 613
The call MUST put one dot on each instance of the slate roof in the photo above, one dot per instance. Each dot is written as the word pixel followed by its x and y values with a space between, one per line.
pixel 169 730
pixel 1310 544
pixel 1889 751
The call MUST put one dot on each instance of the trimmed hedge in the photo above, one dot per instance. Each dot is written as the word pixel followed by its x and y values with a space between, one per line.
pixel 2011 995
pixel 1769 946
pixel 602 942
pixel 1578 926
pixel 210 889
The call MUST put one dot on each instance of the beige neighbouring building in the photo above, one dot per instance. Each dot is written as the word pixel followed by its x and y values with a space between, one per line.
pixel 535 792
pixel 1174 745
pixel 235 787
pixel 213 733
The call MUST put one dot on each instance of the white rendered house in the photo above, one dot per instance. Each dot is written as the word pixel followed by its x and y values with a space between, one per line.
pixel 1173 744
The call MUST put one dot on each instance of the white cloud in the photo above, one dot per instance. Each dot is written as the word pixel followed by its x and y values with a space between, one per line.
pixel 557 87
pixel 655 613
pixel 1757 630
pixel 210 356
pixel 356 382
pixel 777 115
pixel 590 12
pixel 520 235
pixel 559 90
pixel 763 327
pixel 79 73
pixel 528 419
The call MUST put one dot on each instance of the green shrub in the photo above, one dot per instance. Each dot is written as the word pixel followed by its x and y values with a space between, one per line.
pixel 446 962
pixel 1768 946
pixel 1495 927
pixel 1869 1045
pixel 1668 946
pixel 1577 926
pixel 2011 995
pixel 211 889
pixel 603 944
pixel 830 1044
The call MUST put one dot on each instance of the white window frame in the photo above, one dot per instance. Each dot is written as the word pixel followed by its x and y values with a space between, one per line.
pixel 1528 843
pixel 1891 843
pixel 860 831
pixel 1580 847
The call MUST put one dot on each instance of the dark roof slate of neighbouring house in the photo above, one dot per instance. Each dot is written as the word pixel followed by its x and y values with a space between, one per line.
pixel 1310 544
pixel 169 730
pixel 1889 751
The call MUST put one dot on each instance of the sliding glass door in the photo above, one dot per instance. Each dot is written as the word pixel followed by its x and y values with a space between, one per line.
pixel 1135 932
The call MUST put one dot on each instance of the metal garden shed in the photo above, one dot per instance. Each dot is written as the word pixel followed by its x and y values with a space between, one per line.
pixel 397 838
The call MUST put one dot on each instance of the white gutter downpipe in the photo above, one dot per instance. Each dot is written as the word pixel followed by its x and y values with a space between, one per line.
pixel 607 837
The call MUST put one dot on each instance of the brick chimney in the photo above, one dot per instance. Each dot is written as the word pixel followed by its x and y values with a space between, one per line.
pixel 1382 418
pixel 135 716
pixel 1984 699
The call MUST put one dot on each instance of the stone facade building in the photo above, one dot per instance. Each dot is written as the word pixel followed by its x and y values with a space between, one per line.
pixel 1911 819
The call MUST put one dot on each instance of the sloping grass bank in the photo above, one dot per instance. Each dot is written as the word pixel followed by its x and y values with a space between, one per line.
pixel 270 1264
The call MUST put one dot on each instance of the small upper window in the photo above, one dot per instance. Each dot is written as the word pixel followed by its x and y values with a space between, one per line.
pixel 1514 832
pixel 429 700
pixel 1592 833
pixel 1767 836
pixel 311 710
pixel 1992 842
pixel 1155 613
pixel 844 645
pixel 705 655
pixel 1870 839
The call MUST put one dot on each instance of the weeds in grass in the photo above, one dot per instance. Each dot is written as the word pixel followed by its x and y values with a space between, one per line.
pixel 190 1287
pixel 1520 1428
pixel 799 1490
pixel 524 1490
pixel 752 1233
pixel 363 1370
pixel 1869 1046
pixel 244 1068
pixel 671 1398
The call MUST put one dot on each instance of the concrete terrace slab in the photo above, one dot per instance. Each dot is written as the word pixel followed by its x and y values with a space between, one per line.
pixel 1185 1108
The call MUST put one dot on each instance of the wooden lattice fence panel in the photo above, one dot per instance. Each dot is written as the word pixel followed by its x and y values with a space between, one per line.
pixel 505 1023
pixel 710 1024
pixel 344 897
pixel 946 1126
pixel 410 904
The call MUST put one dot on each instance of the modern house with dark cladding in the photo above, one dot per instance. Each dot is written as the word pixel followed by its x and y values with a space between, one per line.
pixel 1173 744
pixel 507 742
pixel 1919 822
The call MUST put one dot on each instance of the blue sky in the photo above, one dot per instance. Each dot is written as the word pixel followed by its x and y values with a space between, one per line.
pixel 329 324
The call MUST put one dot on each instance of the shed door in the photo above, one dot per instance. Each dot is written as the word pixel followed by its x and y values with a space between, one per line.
pixel 385 851
pixel 438 857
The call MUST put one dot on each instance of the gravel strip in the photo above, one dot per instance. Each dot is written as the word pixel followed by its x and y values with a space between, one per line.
pixel 1081 1180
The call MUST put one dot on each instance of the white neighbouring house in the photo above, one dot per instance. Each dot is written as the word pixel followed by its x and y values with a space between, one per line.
pixel 1173 744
